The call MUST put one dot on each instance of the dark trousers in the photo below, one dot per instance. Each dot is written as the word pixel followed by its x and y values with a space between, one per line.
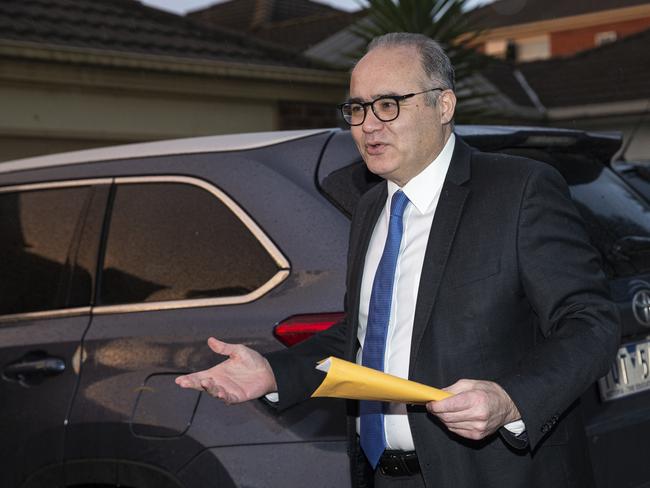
pixel 383 481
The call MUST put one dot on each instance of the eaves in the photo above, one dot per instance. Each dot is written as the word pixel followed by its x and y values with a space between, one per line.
pixel 573 22
pixel 169 64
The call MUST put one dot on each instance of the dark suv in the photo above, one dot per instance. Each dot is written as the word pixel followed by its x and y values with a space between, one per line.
pixel 118 263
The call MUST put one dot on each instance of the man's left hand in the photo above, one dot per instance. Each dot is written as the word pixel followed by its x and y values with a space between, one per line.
pixel 476 409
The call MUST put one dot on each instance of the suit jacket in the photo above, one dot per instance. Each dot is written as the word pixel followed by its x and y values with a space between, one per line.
pixel 511 291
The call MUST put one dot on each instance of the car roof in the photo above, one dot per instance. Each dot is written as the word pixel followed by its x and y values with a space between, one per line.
pixel 486 137
pixel 191 145
pixel 601 146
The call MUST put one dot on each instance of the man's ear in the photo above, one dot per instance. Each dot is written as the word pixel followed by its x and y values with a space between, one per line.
pixel 447 106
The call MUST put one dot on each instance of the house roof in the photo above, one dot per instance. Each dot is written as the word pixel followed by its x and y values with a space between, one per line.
pixel 248 14
pixel 608 74
pixel 301 34
pixel 503 76
pixel 513 12
pixel 613 72
pixel 296 24
pixel 128 26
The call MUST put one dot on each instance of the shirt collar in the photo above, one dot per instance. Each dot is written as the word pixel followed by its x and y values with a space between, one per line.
pixel 423 189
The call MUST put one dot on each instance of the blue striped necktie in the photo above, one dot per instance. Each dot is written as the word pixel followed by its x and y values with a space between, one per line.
pixel 373 439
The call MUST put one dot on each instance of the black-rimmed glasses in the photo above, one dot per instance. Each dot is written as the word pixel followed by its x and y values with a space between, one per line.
pixel 385 108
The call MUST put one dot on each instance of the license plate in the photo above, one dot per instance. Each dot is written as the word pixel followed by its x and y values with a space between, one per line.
pixel 629 373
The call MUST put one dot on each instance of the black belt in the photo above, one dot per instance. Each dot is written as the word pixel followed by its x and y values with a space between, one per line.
pixel 399 463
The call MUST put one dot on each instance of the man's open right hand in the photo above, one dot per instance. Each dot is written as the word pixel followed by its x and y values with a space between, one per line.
pixel 245 375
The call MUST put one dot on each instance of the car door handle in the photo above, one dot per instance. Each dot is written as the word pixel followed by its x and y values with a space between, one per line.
pixel 33 368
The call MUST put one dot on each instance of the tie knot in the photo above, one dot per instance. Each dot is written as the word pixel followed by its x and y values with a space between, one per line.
pixel 398 203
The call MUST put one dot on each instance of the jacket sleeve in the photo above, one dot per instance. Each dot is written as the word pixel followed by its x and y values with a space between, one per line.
pixel 294 368
pixel 578 323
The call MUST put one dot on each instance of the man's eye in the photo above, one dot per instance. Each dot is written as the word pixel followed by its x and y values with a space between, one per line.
pixel 387 104
pixel 356 109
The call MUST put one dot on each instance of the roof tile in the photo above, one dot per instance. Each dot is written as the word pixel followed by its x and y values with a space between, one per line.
pixel 127 25
pixel 296 24
pixel 610 73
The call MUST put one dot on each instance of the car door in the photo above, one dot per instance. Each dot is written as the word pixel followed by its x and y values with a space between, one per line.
pixel 181 262
pixel 48 246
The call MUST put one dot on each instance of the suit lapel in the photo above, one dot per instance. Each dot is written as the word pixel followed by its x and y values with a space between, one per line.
pixel 443 230
pixel 367 220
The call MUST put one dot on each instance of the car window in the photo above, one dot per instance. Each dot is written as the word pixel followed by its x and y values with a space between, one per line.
pixel 616 217
pixel 175 241
pixel 39 230
pixel 618 222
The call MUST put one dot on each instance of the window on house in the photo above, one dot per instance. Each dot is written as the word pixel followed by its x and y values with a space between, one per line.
pixel 532 48
pixel 605 37
pixel 496 48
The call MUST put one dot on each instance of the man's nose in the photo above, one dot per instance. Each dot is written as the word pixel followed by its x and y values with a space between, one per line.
pixel 371 122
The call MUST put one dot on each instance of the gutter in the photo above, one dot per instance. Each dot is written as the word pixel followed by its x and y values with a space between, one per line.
pixel 171 64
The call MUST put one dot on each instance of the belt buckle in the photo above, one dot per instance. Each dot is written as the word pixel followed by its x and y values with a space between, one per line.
pixel 389 465
pixel 395 464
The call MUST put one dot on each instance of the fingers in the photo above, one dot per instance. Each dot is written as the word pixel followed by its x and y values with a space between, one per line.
pixel 190 381
pixel 203 382
pixel 460 402
pixel 194 380
pixel 464 417
pixel 243 376
pixel 215 390
pixel 477 409
pixel 461 386
pixel 456 402
pixel 476 420
pixel 221 347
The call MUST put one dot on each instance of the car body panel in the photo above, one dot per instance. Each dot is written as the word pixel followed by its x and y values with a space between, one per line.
pixel 123 419
pixel 34 412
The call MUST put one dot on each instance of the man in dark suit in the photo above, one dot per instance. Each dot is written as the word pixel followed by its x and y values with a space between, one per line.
pixel 465 269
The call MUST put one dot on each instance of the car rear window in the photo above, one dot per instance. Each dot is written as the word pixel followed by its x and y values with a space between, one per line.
pixel 617 219
pixel 618 222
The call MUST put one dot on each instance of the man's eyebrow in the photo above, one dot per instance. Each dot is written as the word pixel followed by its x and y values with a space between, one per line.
pixel 375 97
pixel 386 94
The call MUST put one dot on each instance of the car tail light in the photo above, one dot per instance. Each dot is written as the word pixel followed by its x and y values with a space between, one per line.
pixel 297 328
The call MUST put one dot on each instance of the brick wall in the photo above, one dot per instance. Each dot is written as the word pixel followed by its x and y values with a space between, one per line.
pixel 568 42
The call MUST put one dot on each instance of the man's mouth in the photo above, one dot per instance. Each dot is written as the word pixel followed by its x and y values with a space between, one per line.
pixel 375 148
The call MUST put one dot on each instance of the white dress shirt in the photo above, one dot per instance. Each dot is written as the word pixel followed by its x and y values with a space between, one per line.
pixel 423 192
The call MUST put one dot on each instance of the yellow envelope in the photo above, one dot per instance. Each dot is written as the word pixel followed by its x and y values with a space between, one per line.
pixel 349 380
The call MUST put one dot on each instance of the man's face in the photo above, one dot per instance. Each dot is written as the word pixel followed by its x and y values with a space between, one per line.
pixel 400 149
